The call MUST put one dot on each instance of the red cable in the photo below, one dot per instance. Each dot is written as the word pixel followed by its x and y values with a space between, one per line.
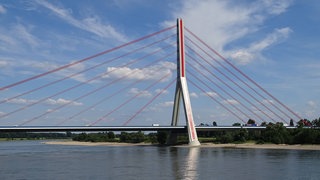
pixel 85 59
pixel 193 75
pixel 80 84
pixel 99 102
pixel 91 92
pixel 102 100
pixel 228 87
pixel 251 80
pixel 235 82
pixel 85 70
pixel 129 100
pixel 148 103
pixel 222 89
pixel 216 100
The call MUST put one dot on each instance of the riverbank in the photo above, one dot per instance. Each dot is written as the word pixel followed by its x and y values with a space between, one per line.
pixel 265 146
pixel 79 143
pixel 204 145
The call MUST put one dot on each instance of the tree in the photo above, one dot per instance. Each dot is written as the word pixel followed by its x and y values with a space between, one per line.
pixel 316 122
pixel 236 124
pixel 137 137
pixel 111 135
pixel 304 122
pixel 291 122
pixel 251 122
pixel 124 137
pixel 214 123
pixel 152 137
pixel 263 124
pixel 276 133
pixel 241 135
pixel 225 138
pixel 306 136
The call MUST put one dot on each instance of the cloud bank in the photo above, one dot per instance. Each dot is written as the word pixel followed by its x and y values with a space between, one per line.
pixel 220 23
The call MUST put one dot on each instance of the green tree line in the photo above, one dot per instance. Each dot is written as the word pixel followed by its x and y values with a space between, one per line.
pixel 28 135
pixel 307 132
pixel 133 137
pixel 274 133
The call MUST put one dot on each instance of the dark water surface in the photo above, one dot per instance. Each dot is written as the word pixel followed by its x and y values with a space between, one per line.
pixel 35 160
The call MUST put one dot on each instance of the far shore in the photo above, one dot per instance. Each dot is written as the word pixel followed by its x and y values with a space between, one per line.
pixel 204 145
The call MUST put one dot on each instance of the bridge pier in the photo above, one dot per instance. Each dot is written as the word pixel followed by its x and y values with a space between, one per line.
pixel 172 138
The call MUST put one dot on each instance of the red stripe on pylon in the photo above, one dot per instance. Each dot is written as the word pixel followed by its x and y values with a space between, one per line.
pixel 181 47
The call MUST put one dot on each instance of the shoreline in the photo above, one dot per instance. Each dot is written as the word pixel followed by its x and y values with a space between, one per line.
pixel 80 143
pixel 204 145
pixel 266 146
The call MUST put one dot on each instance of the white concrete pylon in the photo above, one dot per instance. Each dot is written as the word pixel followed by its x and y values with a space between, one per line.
pixel 182 90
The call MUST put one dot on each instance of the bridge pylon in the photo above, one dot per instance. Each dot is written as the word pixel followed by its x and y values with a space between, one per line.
pixel 182 92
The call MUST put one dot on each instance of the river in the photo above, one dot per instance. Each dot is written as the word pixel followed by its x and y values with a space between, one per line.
pixel 24 160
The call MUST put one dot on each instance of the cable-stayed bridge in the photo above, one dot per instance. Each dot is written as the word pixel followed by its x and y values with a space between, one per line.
pixel 141 83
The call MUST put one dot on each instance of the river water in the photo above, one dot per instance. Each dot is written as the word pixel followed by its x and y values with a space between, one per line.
pixel 35 160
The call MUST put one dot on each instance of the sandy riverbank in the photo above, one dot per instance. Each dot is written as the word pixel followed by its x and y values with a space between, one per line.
pixel 265 146
pixel 78 143
pixel 204 145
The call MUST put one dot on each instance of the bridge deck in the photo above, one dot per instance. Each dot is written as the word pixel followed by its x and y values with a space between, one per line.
pixel 121 128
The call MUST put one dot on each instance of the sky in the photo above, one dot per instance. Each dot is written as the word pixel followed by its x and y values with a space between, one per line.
pixel 275 42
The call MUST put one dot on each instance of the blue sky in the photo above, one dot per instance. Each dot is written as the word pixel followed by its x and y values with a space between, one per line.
pixel 275 42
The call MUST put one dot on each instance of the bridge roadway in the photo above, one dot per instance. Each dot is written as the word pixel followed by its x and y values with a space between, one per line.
pixel 181 129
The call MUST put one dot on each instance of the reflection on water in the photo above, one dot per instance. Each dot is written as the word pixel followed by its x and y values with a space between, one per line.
pixel 191 164
pixel 34 160
pixel 186 162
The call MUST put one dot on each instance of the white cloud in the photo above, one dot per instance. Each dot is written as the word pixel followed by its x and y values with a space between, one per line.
pixel 18 37
pixel 2 9
pixel 194 95
pixel 62 101
pixel 275 37
pixel 4 63
pixel 140 93
pixel 160 107
pixel 46 66
pixel 217 21
pixel 90 24
pixel 20 101
pixel 247 55
pixel 222 22
pixel 166 104
pixel 50 101
pixel 162 91
pixel 149 73
pixel 68 72
pixel 24 34
pixel 243 56
pixel 276 6
pixel 6 39
pixel 268 101
pixel 230 101
pixel 312 104
pixel 211 94
pixel 50 110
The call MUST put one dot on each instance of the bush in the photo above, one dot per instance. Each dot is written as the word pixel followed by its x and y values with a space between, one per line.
pixel 306 136
pixel 225 138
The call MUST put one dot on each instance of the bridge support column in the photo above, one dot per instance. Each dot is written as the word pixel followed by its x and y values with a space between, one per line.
pixel 182 92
